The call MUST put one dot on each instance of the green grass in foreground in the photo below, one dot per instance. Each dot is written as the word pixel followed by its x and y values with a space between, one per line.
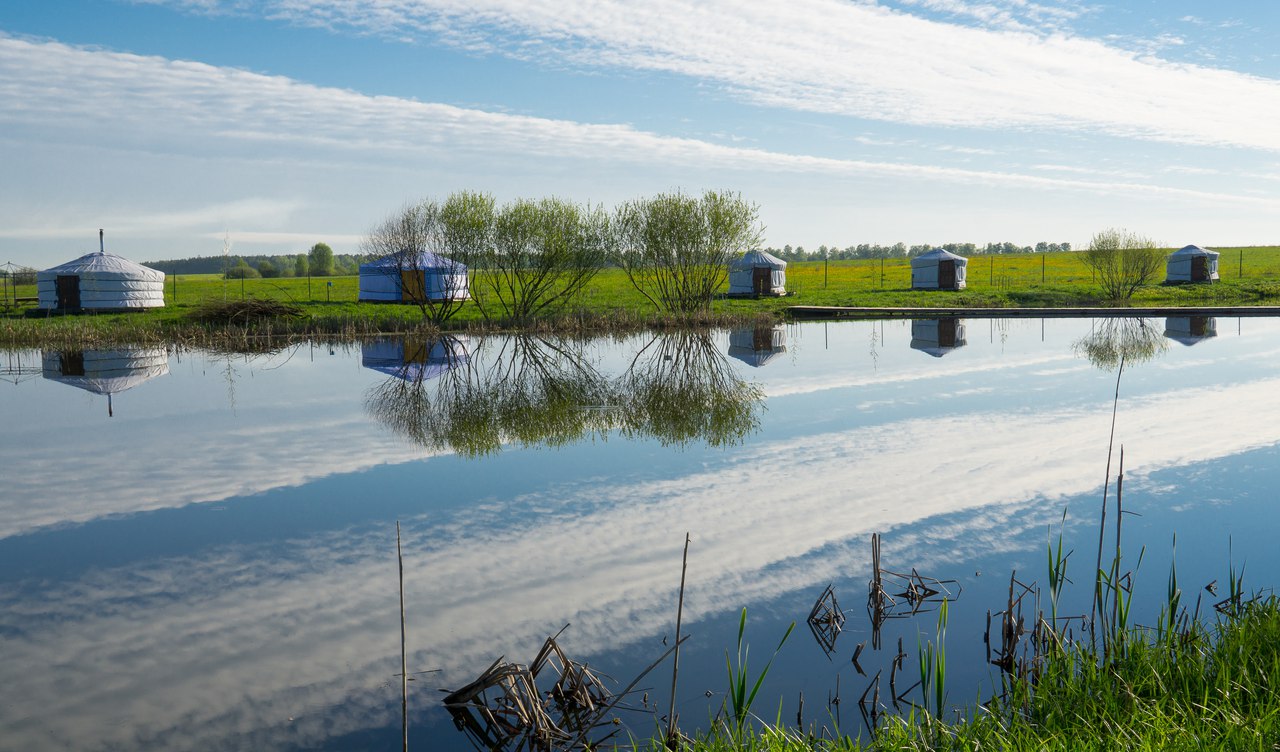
pixel 1208 688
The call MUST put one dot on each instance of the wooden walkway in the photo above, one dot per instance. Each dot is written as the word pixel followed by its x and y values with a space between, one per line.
pixel 839 312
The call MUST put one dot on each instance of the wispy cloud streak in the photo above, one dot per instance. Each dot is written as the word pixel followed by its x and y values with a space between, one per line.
pixel 858 59
pixel 148 102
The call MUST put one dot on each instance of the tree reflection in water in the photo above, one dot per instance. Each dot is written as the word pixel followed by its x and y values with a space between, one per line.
pixel 1121 341
pixel 681 389
pixel 528 390
pixel 537 391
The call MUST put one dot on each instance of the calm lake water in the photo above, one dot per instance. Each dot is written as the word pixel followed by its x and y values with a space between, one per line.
pixel 197 551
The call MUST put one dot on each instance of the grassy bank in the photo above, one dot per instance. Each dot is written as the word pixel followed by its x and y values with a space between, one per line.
pixel 1198 688
pixel 328 306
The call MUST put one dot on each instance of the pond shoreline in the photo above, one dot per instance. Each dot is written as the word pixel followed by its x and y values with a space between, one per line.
pixel 810 313
pixel 141 328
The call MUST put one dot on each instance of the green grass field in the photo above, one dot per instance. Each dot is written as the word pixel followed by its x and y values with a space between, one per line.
pixel 1249 276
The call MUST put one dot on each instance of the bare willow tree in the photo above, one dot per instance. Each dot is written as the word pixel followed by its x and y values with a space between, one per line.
pixel 426 250
pixel 676 248
pixel 1122 262
pixel 543 253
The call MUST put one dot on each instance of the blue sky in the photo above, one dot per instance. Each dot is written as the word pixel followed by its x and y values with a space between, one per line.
pixel 280 123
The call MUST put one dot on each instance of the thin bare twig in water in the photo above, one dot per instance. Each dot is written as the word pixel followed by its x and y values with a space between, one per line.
pixel 675 668
pixel 1102 524
pixel 404 657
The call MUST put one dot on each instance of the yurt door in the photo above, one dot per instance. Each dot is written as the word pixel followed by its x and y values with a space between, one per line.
pixel 947 327
pixel 1199 268
pixel 761 280
pixel 72 363
pixel 413 285
pixel 68 288
pixel 946 274
pixel 415 351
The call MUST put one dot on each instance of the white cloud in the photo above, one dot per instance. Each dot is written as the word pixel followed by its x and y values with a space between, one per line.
pixel 857 59
pixel 247 211
pixel 290 238
pixel 1009 14
pixel 122 99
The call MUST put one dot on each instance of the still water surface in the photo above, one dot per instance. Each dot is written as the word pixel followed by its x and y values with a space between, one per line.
pixel 197 551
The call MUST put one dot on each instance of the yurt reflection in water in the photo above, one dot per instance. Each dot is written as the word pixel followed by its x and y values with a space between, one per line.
pixel 1190 330
pixel 414 359
pixel 756 346
pixel 937 336
pixel 106 372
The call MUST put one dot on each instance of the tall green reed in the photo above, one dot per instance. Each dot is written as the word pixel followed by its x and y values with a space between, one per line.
pixel 740 697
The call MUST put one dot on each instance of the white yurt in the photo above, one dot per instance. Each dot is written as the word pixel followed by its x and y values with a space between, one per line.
pixel 106 372
pixel 756 346
pixel 414 359
pixel 757 273
pixel 100 282
pixel 937 336
pixel 1192 264
pixel 1190 330
pixel 392 279
pixel 938 270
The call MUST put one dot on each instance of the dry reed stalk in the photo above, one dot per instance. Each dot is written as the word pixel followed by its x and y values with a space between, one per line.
pixel 1095 610
pixel 675 668
pixel 404 655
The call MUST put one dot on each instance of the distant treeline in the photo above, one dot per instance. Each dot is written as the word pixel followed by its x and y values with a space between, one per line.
pixel 313 263
pixel 320 261
pixel 902 250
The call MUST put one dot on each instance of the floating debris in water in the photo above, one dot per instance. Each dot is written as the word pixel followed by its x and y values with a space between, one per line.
pixel 917 592
pixel 826 621
pixel 504 709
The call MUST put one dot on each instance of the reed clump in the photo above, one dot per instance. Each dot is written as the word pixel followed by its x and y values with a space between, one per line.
pixel 1203 687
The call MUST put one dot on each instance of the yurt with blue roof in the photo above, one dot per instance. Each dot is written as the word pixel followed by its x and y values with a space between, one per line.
pixel 398 278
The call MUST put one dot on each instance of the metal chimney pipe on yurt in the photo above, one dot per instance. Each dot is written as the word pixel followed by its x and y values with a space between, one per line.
pixel 102 248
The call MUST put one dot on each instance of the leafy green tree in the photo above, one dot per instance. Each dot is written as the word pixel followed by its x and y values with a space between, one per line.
pixel 1122 262
pixel 320 260
pixel 300 265
pixel 676 249
pixel 267 269
pixel 543 253
pixel 242 270
pixel 283 265
pixel 457 232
